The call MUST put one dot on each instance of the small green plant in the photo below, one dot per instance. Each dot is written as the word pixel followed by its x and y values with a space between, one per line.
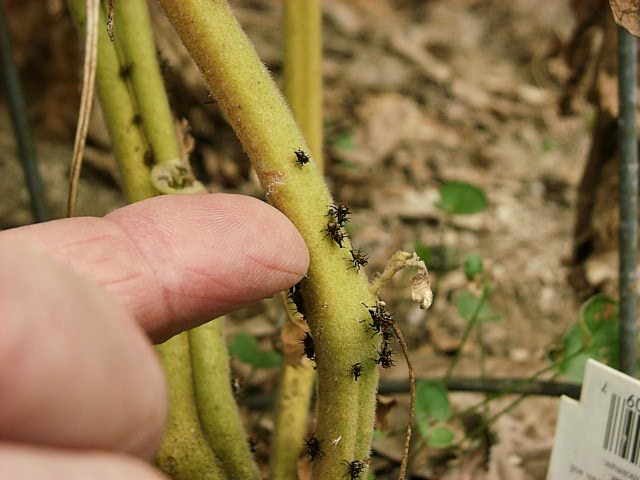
pixel 245 347
pixel 461 198
pixel 594 335
pixel 432 410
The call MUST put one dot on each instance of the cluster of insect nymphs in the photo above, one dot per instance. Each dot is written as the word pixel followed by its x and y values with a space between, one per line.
pixel 382 323
pixel 338 217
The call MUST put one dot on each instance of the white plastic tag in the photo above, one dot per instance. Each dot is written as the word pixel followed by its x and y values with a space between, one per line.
pixel 598 438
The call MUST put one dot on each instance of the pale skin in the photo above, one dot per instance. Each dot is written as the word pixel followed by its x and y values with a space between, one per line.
pixel 82 300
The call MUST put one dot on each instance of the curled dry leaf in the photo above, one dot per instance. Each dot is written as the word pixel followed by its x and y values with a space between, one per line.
pixel 627 14
pixel 420 284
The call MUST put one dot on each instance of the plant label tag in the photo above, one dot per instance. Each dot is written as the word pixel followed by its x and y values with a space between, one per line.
pixel 598 438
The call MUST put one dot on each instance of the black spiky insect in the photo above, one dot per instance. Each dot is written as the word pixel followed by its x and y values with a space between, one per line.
pixel 359 258
pixel 301 158
pixel 354 469
pixel 307 345
pixel 340 213
pixel 295 295
pixel 381 320
pixel 384 356
pixel 334 231
pixel 312 447
pixel 356 371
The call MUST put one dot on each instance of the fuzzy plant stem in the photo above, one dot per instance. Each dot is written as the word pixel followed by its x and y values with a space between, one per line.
pixel 119 113
pixel 333 293
pixel 303 69
pixel 303 91
pixel 217 408
pixel 139 60
pixel 184 452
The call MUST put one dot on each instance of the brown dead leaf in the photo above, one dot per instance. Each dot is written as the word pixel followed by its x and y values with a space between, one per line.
pixel 627 14
pixel 292 336
pixel 385 405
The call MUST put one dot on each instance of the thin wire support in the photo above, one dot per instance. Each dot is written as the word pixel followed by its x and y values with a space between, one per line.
pixel 24 139
pixel 628 162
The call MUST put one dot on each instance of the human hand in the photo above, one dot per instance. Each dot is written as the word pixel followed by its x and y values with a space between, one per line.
pixel 82 395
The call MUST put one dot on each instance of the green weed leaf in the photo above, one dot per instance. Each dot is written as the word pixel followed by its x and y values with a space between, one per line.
pixel 440 437
pixel 461 198
pixel 245 348
pixel 595 335
pixel 469 305
pixel 473 266
pixel 432 400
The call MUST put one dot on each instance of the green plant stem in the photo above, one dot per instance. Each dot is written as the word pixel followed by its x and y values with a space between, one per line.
pixel 333 294
pixel 184 453
pixel 303 69
pixel 294 397
pixel 134 40
pixel 119 113
pixel 217 409
pixel 465 336
pixel 303 91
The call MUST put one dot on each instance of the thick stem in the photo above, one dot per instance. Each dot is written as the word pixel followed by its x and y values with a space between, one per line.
pixel 333 293
pixel 303 91
pixel 134 39
pixel 184 453
pixel 217 408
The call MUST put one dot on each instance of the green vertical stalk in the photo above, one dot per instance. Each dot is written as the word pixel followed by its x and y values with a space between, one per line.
pixel 303 91
pixel 119 110
pixel 134 40
pixel 333 293
pixel 303 69
pixel 217 409
pixel 184 452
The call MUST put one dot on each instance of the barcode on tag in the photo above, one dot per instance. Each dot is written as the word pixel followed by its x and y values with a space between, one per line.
pixel 598 437
pixel 622 432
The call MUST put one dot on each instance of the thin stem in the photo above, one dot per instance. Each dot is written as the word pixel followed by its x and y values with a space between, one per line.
pixel 412 403
pixel 86 100
pixel 628 163
pixel 465 336
pixel 18 111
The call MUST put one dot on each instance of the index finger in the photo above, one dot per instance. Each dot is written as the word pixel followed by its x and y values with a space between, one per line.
pixel 177 261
